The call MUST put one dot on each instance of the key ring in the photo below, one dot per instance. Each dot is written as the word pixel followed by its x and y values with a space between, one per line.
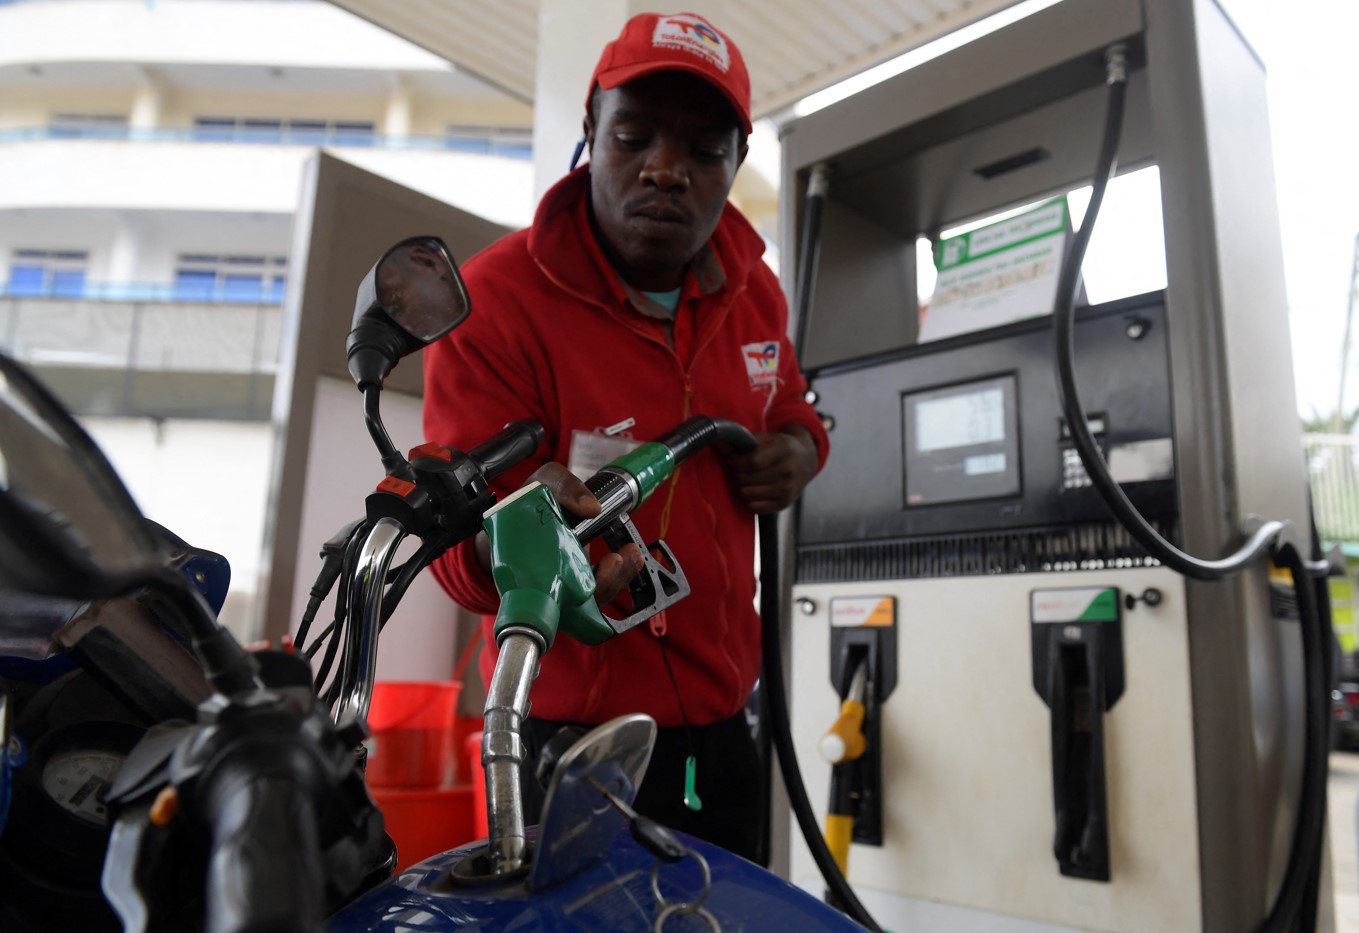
pixel 682 907
pixel 675 910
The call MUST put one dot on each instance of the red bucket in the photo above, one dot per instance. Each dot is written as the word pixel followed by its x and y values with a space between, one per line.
pixel 472 748
pixel 412 733
pixel 426 821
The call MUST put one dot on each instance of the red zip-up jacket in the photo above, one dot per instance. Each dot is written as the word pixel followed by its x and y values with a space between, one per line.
pixel 554 336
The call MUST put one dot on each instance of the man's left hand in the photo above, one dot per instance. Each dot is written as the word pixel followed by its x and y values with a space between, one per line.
pixel 770 478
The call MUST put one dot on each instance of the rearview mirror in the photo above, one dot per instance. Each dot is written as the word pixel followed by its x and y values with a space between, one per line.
pixel 411 297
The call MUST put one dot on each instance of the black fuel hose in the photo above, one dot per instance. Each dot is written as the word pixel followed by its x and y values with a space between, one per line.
pixel 771 652
pixel 1304 861
pixel 1259 543
pixel 702 431
pixel 1304 856
pixel 771 637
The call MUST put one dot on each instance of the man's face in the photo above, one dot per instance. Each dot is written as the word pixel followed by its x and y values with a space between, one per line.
pixel 664 150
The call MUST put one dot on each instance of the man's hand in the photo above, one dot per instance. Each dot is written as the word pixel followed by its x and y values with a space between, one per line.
pixel 615 570
pixel 773 475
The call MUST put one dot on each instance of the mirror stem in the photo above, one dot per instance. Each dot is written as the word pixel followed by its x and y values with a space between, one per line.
pixel 392 460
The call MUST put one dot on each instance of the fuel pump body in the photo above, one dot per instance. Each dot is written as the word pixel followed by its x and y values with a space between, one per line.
pixel 1190 394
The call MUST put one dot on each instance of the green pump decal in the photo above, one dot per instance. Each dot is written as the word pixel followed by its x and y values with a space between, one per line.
pixel 1085 604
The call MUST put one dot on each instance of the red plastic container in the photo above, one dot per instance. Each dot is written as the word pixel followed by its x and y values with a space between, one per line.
pixel 480 827
pixel 412 741
pixel 425 822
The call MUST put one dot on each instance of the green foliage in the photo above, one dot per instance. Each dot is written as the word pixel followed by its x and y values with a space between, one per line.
pixel 1318 423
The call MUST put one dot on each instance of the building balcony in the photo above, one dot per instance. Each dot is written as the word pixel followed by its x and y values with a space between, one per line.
pixel 171 170
pixel 148 358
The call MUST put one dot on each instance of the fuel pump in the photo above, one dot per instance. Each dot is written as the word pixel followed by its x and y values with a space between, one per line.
pixel 1090 728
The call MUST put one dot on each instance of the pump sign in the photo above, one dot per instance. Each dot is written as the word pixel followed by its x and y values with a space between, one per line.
pixel 1088 604
pixel 863 611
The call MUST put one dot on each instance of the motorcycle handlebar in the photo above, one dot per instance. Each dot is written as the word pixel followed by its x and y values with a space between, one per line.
pixel 517 440
pixel 264 868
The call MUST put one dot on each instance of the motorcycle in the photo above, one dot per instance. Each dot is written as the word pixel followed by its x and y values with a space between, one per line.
pixel 160 777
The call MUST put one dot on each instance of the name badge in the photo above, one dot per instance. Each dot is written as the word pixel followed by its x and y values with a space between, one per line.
pixel 591 450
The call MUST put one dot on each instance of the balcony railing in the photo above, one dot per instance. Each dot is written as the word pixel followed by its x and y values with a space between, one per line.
pixel 486 143
pixel 222 292
pixel 156 358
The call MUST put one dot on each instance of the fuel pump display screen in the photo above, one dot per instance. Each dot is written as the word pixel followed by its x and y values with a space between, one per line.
pixel 961 442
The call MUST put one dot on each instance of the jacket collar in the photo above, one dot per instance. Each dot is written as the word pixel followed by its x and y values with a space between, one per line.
pixel 562 243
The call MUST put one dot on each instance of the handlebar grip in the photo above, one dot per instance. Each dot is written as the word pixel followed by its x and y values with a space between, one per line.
pixel 517 440
pixel 264 871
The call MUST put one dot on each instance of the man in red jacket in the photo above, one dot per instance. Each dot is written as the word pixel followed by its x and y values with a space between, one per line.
pixel 637 299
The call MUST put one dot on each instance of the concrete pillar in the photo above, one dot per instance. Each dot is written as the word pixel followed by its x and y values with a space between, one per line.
pixel 147 100
pixel 396 116
pixel 570 39
pixel 124 253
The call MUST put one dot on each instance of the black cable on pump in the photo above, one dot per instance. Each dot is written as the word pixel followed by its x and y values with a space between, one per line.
pixel 1305 850
pixel 771 653
pixel 771 639
pixel 1064 315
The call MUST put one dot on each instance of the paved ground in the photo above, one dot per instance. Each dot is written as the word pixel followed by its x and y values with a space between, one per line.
pixel 1341 807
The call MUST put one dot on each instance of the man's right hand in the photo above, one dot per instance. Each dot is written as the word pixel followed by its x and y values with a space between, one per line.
pixel 615 570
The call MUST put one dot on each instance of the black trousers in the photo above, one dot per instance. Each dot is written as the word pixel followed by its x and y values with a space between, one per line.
pixel 730 781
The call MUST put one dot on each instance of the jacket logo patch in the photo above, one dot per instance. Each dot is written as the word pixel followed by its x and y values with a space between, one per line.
pixel 762 362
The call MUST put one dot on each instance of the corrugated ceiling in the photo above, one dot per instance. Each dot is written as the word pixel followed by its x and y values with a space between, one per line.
pixel 792 47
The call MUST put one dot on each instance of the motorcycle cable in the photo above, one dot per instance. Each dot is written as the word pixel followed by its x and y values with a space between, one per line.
pixel 338 629
pixel 403 576
pixel 332 560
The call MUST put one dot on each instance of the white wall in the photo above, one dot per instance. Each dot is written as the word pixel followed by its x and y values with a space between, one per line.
pixel 344 468
pixel 206 481
pixel 243 179
pixel 140 246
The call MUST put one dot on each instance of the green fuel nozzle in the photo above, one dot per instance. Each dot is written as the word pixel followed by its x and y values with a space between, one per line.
pixel 538 558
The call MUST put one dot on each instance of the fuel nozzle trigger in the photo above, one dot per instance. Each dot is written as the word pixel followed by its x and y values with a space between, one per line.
pixel 660 583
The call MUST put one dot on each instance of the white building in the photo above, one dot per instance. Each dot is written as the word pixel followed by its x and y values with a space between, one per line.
pixel 151 157
pixel 151 153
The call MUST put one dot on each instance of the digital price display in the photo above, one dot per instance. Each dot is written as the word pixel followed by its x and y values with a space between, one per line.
pixel 961 442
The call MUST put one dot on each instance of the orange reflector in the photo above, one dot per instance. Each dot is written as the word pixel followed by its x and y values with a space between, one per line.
pixel 165 807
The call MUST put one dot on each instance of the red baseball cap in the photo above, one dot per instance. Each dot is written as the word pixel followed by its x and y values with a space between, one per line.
pixel 653 42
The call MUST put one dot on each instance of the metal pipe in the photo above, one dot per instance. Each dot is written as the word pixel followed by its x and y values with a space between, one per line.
pixel 502 746
pixel 365 599
pixel 818 184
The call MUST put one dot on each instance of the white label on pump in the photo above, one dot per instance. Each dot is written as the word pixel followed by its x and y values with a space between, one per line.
pixel 861 611
pixel 1079 604
pixel 1141 461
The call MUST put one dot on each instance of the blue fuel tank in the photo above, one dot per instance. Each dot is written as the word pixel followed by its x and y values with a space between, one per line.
pixel 630 890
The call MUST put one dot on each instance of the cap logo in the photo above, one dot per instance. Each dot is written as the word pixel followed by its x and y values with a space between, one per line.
pixel 693 35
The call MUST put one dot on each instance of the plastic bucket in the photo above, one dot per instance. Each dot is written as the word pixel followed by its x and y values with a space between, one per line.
pixel 472 749
pixel 424 822
pixel 412 733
